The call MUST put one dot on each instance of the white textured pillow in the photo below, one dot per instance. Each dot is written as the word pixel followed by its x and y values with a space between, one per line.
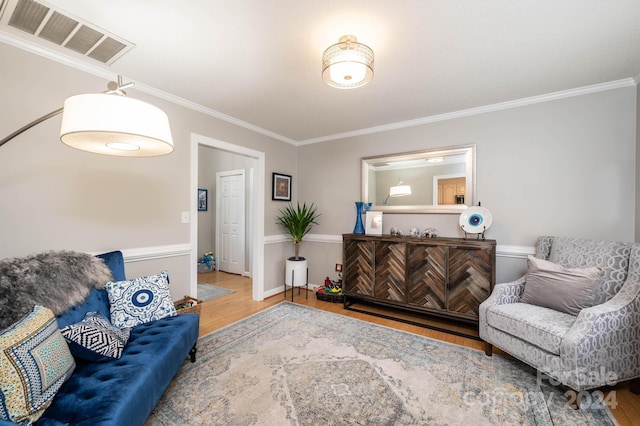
pixel 567 290
pixel 140 300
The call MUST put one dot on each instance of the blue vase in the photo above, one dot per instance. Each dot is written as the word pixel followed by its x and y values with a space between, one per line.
pixel 359 229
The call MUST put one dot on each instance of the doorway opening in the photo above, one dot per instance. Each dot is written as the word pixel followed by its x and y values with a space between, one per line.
pixel 255 199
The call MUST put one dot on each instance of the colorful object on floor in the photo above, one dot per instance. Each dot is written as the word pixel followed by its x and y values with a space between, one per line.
pixel 331 292
pixel 209 260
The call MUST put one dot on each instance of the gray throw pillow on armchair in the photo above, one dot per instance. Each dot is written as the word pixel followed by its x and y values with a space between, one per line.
pixel 566 290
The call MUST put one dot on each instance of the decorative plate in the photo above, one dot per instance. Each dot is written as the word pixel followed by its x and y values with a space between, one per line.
pixel 475 220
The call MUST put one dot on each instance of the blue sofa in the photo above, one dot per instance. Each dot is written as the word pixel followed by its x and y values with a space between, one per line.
pixel 122 391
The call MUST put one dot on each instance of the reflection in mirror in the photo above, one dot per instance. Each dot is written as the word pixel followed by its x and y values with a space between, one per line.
pixel 438 180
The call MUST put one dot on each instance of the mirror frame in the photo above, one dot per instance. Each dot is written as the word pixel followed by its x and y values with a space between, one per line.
pixel 470 191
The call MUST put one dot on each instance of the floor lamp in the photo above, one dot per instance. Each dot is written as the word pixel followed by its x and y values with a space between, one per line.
pixel 110 123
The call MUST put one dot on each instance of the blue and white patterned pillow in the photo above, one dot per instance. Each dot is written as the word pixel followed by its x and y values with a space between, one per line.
pixel 34 362
pixel 95 338
pixel 140 300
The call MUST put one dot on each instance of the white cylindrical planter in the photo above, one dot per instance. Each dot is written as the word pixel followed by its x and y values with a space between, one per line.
pixel 296 272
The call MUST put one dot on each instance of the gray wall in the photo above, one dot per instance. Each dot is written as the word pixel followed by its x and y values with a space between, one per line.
pixel 564 167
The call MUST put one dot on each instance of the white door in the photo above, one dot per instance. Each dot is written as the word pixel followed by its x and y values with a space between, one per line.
pixel 230 214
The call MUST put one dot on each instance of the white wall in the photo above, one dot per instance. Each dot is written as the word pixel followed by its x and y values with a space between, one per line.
pixel 565 167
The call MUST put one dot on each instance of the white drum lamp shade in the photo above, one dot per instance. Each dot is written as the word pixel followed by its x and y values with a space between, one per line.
pixel 347 64
pixel 115 125
pixel 400 190
pixel 299 276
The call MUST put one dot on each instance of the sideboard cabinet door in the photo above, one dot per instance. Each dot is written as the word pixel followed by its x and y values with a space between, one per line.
pixel 470 278
pixel 358 272
pixel 427 275
pixel 390 271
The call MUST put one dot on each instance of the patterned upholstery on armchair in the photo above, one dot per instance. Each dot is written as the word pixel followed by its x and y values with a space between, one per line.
pixel 599 346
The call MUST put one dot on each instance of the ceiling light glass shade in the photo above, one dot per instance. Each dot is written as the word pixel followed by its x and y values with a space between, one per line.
pixel 115 125
pixel 400 190
pixel 347 64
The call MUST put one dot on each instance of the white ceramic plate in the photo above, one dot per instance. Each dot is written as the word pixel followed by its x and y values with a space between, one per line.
pixel 475 220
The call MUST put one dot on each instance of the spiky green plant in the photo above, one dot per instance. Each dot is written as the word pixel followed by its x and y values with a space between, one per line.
pixel 298 221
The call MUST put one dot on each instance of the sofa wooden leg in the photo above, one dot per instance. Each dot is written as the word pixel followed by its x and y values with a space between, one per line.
pixel 192 353
pixel 488 349
pixel 634 386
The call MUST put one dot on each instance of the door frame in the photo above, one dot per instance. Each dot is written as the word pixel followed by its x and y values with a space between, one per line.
pixel 437 178
pixel 256 193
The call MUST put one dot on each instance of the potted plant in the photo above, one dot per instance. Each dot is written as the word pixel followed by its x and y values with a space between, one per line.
pixel 298 221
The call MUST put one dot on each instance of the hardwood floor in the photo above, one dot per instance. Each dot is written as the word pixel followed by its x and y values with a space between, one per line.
pixel 220 312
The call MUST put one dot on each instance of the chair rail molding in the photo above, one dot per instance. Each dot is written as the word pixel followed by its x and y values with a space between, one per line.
pixel 150 253
pixel 520 252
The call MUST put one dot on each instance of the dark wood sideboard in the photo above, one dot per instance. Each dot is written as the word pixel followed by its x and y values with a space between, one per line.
pixel 444 277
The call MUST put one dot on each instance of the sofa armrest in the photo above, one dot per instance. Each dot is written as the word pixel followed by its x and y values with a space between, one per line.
pixel 6 423
pixel 502 294
pixel 602 344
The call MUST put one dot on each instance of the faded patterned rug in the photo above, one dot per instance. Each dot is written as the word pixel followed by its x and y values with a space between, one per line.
pixel 295 365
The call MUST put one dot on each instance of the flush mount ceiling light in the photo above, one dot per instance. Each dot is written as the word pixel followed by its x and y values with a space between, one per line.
pixel 347 64
pixel 112 124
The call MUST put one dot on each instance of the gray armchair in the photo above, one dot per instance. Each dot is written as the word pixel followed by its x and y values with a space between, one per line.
pixel 601 345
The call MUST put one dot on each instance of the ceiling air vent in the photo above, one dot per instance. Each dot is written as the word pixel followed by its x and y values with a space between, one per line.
pixel 41 20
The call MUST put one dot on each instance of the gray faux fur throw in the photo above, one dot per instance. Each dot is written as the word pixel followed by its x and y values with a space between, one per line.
pixel 57 280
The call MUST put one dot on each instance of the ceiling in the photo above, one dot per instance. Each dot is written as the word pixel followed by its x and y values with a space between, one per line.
pixel 258 63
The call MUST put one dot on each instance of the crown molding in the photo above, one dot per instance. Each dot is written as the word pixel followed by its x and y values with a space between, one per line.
pixel 479 110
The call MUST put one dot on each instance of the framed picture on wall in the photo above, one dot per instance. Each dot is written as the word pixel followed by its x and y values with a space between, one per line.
pixel 202 200
pixel 281 187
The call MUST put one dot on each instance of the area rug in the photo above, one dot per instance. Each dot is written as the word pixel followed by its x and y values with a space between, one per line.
pixel 295 365
pixel 209 291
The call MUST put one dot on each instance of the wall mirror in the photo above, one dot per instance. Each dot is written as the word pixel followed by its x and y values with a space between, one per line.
pixel 440 180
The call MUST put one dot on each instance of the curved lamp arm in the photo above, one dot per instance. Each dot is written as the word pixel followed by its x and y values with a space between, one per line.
pixel 30 125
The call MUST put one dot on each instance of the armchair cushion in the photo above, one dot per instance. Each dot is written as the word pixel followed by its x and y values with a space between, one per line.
pixel 537 325
pixel 567 290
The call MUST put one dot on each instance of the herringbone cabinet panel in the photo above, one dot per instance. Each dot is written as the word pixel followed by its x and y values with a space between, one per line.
pixel 427 274
pixel 358 267
pixel 390 271
pixel 469 279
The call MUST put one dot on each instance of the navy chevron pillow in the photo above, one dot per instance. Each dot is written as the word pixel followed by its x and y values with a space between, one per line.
pixel 95 338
